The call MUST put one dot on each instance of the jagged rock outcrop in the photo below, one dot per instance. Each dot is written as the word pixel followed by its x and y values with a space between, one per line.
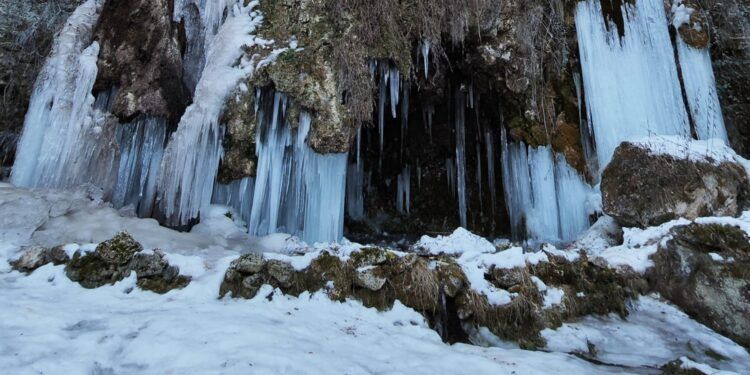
pixel 140 54
pixel 438 287
pixel 641 189
pixel 705 270
pixel 27 28
pixel 730 52
pixel 115 259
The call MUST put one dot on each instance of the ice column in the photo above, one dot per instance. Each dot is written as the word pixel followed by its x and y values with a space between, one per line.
pixel 698 79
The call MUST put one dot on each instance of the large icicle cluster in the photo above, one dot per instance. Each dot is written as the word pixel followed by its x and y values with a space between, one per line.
pixel 191 160
pixel 631 81
pixel 297 190
pixel 631 84
pixel 60 116
pixel 546 198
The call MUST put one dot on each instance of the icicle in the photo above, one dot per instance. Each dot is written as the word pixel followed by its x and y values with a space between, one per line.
pixel 461 156
pixel 191 159
pixel 419 176
pixel 700 86
pixel 271 142
pixel 489 146
pixel 325 184
pixel 450 173
pixel 355 176
pixel 237 194
pixel 395 86
pixel 381 106
pixel 403 191
pixel 428 111
pixel 572 193
pixel 296 190
pixel 141 146
pixel 478 147
pixel 631 85
pixel 426 46
pixel 546 198
pixel 405 116
pixel 60 129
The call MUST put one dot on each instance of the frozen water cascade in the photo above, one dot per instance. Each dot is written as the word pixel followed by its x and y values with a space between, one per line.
pixel 489 145
pixel 141 149
pixel 237 194
pixel 699 81
pixel 60 116
pixel 296 189
pixel 355 200
pixel 460 122
pixel 546 198
pixel 631 85
pixel 191 160
pixel 403 191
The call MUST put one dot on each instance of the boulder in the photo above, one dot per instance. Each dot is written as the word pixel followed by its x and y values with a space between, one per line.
pixel 705 270
pixel 641 188
pixel 115 259
pixel 36 256
pixel 31 259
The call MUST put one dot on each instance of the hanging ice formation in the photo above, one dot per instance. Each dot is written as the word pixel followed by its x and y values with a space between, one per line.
pixel 297 190
pixel 191 160
pixel 630 82
pixel 489 145
pixel 61 119
pixel 698 78
pixel 546 198
pixel 403 191
pixel 460 122
pixel 237 194
pixel 141 149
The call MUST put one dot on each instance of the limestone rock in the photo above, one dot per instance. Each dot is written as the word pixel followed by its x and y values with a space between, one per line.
pixel 31 259
pixel 248 263
pixel 704 271
pixel 140 54
pixel 367 278
pixel 640 189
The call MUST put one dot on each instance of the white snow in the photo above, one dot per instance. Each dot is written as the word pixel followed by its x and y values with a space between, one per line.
pixel 654 333
pixel 49 324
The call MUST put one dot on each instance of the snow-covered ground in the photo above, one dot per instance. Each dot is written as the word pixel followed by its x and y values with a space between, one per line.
pixel 51 325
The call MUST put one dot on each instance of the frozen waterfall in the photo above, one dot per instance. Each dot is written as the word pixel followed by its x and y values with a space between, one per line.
pixel 631 85
pixel 60 117
pixel 191 160
pixel 546 198
pixel 297 190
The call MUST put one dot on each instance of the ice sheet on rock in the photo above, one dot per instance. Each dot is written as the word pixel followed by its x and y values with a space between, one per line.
pixel 631 84
pixel 191 159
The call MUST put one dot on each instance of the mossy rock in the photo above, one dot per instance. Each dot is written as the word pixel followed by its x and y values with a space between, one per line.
pixel 119 250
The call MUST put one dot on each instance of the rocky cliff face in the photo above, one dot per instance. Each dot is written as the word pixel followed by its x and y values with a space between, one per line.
pixel 141 56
